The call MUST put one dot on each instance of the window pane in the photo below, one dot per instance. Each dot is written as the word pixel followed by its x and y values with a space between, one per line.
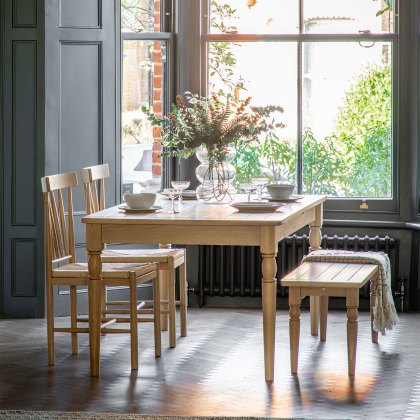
pixel 344 16
pixel 143 85
pixel 140 15
pixel 268 72
pixel 347 119
pixel 254 17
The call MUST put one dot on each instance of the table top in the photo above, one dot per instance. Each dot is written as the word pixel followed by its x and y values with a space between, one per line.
pixel 196 213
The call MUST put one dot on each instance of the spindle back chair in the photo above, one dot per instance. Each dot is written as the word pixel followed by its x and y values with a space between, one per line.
pixel 168 259
pixel 63 270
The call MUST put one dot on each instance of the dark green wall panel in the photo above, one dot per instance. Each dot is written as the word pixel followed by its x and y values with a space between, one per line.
pixel 24 132
pixel 24 13
pixel 24 263
pixel 22 80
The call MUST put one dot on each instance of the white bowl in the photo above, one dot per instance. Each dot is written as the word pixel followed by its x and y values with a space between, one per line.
pixel 140 201
pixel 280 191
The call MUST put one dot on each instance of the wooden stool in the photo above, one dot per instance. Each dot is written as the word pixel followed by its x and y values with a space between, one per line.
pixel 326 279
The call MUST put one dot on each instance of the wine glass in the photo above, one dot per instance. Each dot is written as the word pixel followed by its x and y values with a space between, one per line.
pixel 172 193
pixel 180 185
pixel 248 188
pixel 259 183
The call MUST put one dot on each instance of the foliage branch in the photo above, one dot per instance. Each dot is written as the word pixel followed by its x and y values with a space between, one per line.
pixel 215 123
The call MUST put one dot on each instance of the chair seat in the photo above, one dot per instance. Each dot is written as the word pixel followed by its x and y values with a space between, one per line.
pixel 109 271
pixel 157 255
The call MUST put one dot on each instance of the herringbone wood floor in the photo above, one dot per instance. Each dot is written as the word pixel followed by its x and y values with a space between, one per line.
pixel 218 370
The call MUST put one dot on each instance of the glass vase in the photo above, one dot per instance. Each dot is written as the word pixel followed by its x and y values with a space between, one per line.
pixel 215 177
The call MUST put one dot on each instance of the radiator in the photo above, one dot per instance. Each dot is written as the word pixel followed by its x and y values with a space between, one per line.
pixel 236 270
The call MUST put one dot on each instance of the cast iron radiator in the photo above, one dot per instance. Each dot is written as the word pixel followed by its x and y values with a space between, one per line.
pixel 236 270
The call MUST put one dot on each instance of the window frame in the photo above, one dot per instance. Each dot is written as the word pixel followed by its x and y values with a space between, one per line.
pixel 165 35
pixel 338 206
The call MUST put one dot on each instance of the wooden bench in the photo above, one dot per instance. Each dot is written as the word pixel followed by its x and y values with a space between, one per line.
pixel 326 279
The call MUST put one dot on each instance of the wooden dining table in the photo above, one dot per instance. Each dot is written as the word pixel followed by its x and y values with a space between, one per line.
pixel 200 223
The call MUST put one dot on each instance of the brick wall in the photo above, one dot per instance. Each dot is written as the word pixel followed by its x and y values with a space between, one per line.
pixel 157 96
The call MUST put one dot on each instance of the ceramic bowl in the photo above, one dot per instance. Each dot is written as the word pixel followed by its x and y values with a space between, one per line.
pixel 140 201
pixel 280 191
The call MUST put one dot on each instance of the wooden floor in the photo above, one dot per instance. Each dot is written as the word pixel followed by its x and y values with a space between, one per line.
pixel 218 370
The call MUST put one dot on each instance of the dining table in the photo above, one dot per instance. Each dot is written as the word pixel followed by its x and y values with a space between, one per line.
pixel 201 223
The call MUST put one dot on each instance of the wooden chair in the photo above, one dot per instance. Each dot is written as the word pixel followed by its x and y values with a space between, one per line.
pixel 168 259
pixel 63 270
pixel 326 279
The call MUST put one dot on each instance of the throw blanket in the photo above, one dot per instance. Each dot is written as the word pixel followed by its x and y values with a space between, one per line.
pixel 385 315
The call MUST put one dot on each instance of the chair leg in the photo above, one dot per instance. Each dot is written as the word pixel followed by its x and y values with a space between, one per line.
pixel 374 333
pixel 323 314
pixel 156 316
pixel 73 319
pixel 50 323
pixel 294 327
pixel 352 303
pixel 171 299
pixel 104 302
pixel 163 281
pixel 133 323
pixel 183 298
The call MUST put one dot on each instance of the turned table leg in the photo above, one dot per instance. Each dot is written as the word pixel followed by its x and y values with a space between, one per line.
pixel 269 293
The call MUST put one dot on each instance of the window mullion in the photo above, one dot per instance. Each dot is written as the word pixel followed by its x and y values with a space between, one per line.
pixel 299 163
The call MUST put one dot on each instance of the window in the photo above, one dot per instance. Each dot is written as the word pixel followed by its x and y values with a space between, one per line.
pixel 146 44
pixel 331 66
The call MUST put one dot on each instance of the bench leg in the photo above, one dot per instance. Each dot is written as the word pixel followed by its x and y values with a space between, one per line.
pixel 314 306
pixel 372 305
pixel 352 303
pixel 294 327
pixel 323 313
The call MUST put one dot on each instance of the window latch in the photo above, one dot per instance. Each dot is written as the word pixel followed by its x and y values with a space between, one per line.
pixel 364 205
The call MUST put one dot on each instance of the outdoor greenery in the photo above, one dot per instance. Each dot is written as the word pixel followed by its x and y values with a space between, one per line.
pixel 355 160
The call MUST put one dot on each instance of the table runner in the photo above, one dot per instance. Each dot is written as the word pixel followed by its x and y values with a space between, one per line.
pixel 384 312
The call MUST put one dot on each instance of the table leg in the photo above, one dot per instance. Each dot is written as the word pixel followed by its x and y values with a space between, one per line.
pixel 94 248
pixel 269 289
pixel 314 244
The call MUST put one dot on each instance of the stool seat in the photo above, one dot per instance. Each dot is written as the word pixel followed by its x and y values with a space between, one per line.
pixel 326 279
pixel 328 274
